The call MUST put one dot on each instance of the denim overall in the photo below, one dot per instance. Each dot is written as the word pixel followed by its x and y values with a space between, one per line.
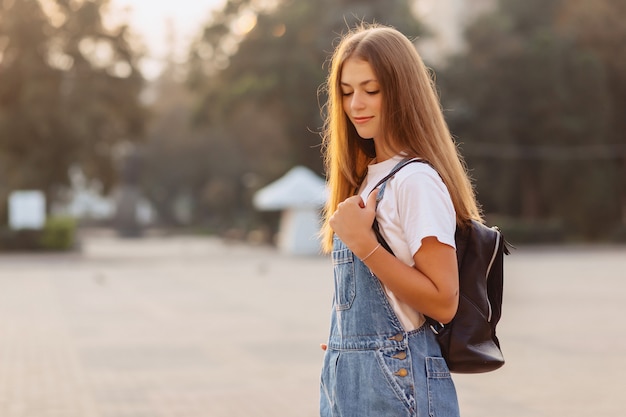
pixel 372 367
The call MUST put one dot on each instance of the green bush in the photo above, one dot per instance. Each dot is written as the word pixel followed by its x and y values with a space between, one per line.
pixel 58 233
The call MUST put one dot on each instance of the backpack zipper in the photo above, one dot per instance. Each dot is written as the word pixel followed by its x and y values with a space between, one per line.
pixel 493 258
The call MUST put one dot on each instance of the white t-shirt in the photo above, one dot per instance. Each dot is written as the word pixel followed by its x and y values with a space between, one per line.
pixel 416 205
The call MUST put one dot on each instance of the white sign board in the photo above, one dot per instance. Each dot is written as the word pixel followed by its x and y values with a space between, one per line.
pixel 27 210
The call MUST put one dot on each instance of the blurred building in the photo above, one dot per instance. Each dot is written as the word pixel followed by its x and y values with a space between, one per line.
pixel 86 202
pixel 446 21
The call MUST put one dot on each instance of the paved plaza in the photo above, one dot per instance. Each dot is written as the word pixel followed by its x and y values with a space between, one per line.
pixel 193 327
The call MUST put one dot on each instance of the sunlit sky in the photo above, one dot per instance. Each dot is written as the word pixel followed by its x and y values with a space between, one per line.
pixel 149 20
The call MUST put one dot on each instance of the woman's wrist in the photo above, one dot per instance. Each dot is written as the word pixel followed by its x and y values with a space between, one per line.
pixel 366 247
pixel 364 258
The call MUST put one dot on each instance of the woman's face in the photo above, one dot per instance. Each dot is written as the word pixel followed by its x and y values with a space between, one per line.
pixel 362 98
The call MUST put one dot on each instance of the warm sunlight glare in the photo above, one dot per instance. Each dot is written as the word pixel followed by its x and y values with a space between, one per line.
pixel 245 23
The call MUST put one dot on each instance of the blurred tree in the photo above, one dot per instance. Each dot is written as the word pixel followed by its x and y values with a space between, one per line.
pixel 534 107
pixel 600 27
pixel 69 93
pixel 184 166
pixel 272 79
pixel 189 173
pixel 255 74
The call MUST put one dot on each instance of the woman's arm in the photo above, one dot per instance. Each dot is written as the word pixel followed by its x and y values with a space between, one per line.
pixel 430 286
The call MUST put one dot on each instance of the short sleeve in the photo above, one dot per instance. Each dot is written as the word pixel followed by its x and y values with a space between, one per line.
pixel 425 208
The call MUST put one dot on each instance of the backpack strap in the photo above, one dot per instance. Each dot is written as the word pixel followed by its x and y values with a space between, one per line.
pixel 381 185
pixel 383 182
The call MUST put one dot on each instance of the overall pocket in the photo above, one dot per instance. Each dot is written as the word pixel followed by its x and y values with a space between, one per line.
pixel 363 389
pixel 442 399
pixel 345 284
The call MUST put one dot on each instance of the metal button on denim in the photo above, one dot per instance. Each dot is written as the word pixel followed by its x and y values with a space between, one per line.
pixel 400 355
pixel 398 338
pixel 401 372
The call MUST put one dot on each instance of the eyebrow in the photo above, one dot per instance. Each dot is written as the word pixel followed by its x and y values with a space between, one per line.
pixel 361 83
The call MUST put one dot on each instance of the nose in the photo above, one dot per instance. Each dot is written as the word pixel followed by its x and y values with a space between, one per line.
pixel 357 102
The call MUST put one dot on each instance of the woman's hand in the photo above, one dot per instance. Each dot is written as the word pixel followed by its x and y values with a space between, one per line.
pixel 352 222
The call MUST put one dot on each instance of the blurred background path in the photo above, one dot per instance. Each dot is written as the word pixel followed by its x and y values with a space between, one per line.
pixel 191 327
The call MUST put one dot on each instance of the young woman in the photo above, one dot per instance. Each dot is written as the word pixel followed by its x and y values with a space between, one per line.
pixel 381 360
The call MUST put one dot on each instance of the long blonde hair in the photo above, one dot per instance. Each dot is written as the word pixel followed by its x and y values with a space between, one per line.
pixel 412 120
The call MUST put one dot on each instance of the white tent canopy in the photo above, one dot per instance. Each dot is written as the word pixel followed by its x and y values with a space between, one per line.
pixel 299 194
pixel 298 188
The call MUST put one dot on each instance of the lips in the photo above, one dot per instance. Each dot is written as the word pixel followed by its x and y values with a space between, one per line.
pixel 361 120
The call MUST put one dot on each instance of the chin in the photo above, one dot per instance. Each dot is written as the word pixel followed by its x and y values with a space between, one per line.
pixel 365 135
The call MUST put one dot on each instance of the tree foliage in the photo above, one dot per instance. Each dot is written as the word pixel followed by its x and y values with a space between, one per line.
pixel 188 171
pixel 600 28
pixel 276 72
pixel 534 109
pixel 254 74
pixel 69 93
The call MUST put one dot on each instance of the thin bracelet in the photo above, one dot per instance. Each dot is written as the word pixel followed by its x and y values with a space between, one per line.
pixel 371 253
